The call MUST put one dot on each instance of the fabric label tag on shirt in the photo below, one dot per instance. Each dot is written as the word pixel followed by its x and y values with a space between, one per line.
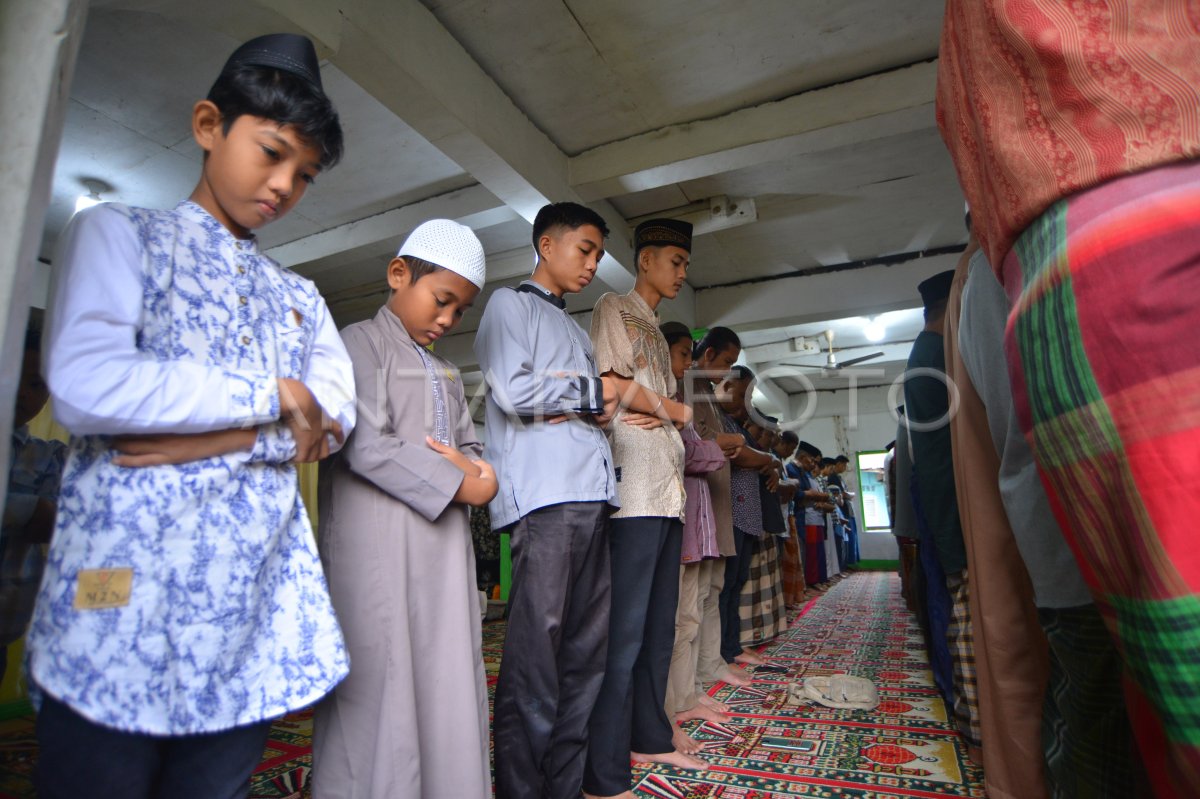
pixel 103 588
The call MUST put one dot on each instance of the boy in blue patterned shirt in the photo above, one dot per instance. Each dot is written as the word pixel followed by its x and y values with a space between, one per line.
pixel 184 605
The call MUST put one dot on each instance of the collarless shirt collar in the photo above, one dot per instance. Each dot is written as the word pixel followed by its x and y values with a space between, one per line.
pixel 545 294
pixel 387 317
pixel 643 306
pixel 194 212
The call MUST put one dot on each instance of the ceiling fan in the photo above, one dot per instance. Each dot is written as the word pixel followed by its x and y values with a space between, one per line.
pixel 831 362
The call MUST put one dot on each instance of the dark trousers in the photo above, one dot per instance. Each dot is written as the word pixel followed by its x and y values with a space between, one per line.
pixel 80 758
pixel 737 572
pixel 630 714
pixel 554 650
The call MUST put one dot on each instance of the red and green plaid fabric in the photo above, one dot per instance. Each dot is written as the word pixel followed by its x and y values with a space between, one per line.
pixel 1105 359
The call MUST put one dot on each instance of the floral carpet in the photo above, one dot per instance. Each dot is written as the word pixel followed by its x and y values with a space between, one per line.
pixel 906 747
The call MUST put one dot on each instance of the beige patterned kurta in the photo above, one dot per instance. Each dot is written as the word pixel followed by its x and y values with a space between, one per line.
pixel 626 340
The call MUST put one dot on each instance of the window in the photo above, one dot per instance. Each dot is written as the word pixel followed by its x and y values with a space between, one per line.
pixel 873 492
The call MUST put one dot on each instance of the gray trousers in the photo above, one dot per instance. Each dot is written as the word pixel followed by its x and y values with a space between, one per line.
pixel 554 650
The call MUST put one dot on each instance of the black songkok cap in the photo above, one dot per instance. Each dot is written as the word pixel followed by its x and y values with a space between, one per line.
pixel 936 288
pixel 809 449
pixel 289 52
pixel 663 232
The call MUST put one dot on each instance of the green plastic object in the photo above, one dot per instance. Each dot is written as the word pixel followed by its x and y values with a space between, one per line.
pixel 505 566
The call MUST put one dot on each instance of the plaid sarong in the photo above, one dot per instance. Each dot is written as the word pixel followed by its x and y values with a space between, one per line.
pixel 763 612
pixel 962 658
pixel 1105 364
pixel 1085 730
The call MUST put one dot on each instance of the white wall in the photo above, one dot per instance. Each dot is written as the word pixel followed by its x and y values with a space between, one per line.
pixel 39 40
pixel 833 430
pixel 842 423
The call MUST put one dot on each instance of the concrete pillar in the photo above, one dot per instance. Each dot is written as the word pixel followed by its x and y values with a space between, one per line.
pixel 39 40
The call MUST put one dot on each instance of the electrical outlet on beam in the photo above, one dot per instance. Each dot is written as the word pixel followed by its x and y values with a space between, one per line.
pixel 806 346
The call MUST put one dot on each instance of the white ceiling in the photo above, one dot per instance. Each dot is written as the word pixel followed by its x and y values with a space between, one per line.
pixel 820 113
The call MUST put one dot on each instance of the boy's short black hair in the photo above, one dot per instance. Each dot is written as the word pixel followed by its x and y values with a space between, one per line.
pixel 566 214
pixel 740 372
pixel 283 98
pixel 790 438
pixel 842 459
pixel 718 339
pixel 419 268
pixel 828 462
pixel 674 332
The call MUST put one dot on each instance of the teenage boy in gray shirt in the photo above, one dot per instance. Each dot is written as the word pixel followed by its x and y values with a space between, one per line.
pixel 546 405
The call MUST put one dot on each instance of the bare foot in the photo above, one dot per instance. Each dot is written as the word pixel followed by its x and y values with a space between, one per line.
pixel 735 676
pixel 683 742
pixel 750 657
pixel 708 701
pixel 676 759
pixel 702 713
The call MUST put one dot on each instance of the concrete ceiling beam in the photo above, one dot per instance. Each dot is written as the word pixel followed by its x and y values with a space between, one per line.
pixel 399 52
pixel 815 298
pixel 474 206
pixel 878 106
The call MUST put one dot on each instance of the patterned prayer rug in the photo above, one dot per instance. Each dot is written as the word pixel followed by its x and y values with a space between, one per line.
pixel 906 747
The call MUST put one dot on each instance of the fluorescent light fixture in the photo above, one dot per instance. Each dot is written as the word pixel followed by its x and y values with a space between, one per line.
pixel 874 330
pixel 86 201
pixel 92 197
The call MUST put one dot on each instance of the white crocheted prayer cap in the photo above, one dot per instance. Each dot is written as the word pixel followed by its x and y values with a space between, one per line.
pixel 449 245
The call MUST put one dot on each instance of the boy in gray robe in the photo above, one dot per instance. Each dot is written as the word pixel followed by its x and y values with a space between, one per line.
pixel 411 720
